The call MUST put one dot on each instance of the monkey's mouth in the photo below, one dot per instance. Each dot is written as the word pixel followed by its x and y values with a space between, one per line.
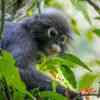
pixel 54 49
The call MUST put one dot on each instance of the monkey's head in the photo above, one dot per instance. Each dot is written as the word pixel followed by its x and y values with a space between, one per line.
pixel 52 31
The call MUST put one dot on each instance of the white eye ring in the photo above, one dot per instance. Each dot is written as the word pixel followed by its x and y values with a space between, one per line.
pixel 52 32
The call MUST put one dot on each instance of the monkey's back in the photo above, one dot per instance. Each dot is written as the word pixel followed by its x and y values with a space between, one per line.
pixel 18 41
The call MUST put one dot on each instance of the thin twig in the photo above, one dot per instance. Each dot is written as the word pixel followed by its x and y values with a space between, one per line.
pixel 38 3
pixel 93 94
pixel 2 17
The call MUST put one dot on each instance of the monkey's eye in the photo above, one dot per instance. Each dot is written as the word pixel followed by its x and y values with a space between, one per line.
pixel 52 32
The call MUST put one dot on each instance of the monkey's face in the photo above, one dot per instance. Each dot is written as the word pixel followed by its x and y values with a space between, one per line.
pixel 53 42
pixel 56 42
pixel 54 32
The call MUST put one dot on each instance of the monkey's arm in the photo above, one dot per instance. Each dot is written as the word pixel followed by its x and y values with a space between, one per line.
pixel 34 79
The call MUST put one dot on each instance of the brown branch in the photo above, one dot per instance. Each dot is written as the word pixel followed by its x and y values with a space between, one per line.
pixel 90 94
pixel 2 17
pixel 94 5
pixel 93 94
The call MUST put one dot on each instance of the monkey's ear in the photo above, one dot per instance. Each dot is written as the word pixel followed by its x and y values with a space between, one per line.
pixel 52 32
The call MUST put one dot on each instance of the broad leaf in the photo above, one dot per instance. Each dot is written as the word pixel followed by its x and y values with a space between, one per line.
pixel 89 36
pixel 86 81
pixel 75 26
pixel 97 32
pixel 98 17
pixel 52 96
pixel 10 71
pixel 68 75
pixel 76 60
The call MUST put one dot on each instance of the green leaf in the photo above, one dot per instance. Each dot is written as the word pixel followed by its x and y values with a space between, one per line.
pixel 10 71
pixel 98 17
pixel 55 62
pixel 89 36
pixel 87 80
pixel 53 3
pixel 68 75
pixel 52 96
pixel 97 31
pixel 30 9
pixel 74 25
pixel 75 60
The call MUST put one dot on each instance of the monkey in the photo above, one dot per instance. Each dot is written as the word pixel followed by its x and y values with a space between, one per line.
pixel 45 33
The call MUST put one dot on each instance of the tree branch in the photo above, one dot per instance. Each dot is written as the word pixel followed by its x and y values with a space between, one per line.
pixel 90 94
pixel 38 2
pixel 94 5
pixel 2 17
